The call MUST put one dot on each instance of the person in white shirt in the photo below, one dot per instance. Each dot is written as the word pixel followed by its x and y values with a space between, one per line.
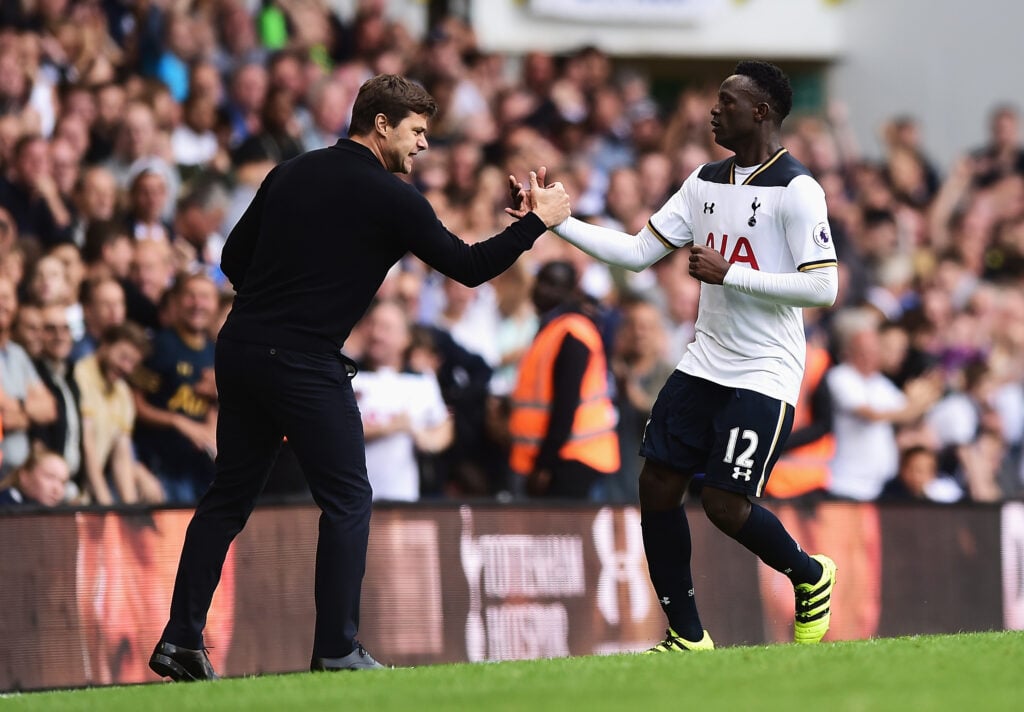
pixel 866 407
pixel 757 229
pixel 402 412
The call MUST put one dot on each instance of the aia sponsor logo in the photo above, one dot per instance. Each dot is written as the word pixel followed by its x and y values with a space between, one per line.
pixel 737 250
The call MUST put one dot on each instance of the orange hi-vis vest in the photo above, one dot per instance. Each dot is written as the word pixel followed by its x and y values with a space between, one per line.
pixel 593 440
pixel 806 468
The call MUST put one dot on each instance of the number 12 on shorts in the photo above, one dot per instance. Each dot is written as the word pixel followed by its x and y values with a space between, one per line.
pixel 743 464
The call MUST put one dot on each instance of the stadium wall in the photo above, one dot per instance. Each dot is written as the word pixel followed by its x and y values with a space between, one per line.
pixel 84 595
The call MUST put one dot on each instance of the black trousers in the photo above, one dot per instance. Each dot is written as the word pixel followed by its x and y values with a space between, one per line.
pixel 266 393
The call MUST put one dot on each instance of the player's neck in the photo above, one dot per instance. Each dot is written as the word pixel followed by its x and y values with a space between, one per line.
pixel 756 151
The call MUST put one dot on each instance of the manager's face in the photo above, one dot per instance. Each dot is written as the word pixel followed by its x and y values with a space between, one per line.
pixel 404 141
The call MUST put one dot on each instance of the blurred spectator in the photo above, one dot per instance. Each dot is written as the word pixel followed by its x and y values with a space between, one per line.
pixel 562 421
pixel 152 271
pixel 330 104
pixel 979 465
pixel 25 401
pixel 194 144
pixel 64 435
pixel 517 324
pixel 65 168
pixel 111 99
pixel 248 93
pixel 148 198
pixel 41 481
pixel 640 368
pixel 289 71
pixel 31 195
pixel 103 306
pixel 867 406
pixel 677 294
pixel 918 478
pixel 402 412
pixel 655 173
pixel 958 418
pixel 28 329
pixel 108 416
pixel 470 466
pixel 624 208
pixel 95 199
pixel 48 283
pixel 1003 154
pixel 140 146
pixel 108 251
pixel 277 139
pixel 912 174
pixel 176 398
pixel 471 317
pixel 197 221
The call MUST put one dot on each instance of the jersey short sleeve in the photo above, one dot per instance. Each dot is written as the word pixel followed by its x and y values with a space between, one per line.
pixel 807 230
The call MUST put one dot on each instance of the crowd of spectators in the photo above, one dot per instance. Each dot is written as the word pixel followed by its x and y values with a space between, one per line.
pixel 134 134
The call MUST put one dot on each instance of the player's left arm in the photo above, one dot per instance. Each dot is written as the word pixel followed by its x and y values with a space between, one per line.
pixel 816 281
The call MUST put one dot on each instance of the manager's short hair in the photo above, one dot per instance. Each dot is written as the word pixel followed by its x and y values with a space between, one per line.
pixel 392 95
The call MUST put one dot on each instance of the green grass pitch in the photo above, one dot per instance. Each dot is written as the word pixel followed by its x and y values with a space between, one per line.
pixel 973 672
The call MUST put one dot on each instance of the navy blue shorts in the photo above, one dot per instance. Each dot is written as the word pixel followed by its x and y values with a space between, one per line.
pixel 732 435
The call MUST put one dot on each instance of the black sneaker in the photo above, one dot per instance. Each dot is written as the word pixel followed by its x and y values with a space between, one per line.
pixel 181 664
pixel 358 659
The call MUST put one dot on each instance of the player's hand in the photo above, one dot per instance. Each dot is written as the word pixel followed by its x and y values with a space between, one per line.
pixel 551 204
pixel 708 265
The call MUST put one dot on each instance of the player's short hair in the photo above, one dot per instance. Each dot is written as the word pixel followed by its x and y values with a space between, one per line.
pixel 772 81
pixel 394 96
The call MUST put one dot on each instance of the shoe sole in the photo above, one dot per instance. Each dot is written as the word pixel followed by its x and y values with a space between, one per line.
pixel 165 666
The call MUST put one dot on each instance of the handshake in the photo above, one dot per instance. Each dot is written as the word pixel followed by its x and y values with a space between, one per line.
pixel 550 203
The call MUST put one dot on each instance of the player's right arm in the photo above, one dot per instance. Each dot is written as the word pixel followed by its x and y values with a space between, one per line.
pixel 633 252
pixel 667 230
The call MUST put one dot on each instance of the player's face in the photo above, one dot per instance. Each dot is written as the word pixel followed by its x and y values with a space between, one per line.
pixel 733 115
pixel 404 141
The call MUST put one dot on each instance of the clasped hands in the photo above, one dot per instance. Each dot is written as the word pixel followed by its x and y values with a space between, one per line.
pixel 550 202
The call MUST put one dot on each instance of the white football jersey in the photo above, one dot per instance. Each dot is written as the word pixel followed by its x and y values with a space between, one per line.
pixel 770 218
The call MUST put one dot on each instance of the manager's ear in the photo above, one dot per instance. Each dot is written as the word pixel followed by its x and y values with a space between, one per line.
pixel 381 124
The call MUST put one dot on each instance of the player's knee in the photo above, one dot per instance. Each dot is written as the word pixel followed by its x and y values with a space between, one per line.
pixel 726 510
pixel 660 489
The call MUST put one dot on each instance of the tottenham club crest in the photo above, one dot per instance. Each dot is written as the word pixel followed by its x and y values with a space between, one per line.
pixel 822 236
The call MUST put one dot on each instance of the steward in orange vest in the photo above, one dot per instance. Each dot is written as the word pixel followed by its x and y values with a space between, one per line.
pixel 804 465
pixel 562 420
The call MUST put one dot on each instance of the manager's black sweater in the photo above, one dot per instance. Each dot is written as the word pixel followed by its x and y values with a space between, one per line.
pixel 316 242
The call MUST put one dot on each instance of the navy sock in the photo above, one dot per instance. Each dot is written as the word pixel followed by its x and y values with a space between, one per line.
pixel 764 535
pixel 667 546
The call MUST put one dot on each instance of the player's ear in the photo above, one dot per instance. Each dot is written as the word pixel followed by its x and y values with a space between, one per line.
pixel 380 124
pixel 762 110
